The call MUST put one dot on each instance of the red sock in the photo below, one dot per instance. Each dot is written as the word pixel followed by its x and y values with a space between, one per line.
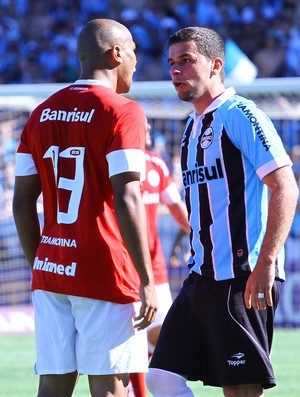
pixel 138 384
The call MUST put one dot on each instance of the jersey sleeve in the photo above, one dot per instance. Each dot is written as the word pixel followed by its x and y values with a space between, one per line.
pixel 254 134
pixel 127 160
pixel 24 163
pixel 170 195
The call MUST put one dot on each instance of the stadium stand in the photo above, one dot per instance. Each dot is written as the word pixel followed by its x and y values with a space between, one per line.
pixel 38 38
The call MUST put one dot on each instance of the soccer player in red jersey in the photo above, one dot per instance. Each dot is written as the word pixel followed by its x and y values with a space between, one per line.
pixel 92 283
pixel 158 188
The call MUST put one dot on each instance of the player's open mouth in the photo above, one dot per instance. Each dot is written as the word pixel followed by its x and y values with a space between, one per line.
pixel 177 84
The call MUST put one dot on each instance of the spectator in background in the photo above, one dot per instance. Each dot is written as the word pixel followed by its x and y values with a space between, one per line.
pixel 293 53
pixel 273 50
pixel 65 69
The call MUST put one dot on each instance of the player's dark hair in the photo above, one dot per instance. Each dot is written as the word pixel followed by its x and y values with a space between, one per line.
pixel 208 42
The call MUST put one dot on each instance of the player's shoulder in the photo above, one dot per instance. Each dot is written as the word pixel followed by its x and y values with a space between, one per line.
pixel 120 104
pixel 153 156
pixel 53 98
pixel 109 96
pixel 96 95
pixel 242 110
pixel 238 104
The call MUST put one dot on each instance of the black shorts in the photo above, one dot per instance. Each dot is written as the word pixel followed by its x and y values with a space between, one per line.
pixel 209 335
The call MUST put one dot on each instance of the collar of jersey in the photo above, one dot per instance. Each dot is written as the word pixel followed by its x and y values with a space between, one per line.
pixel 228 93
pixel 90 82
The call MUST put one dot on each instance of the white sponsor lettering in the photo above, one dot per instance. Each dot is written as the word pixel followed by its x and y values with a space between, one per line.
pixel 52 267
pixel 63 115
pixel 60 242
pixel 150 198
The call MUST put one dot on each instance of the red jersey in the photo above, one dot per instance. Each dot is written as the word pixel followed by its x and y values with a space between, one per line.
pixel 75 141
pixel 158 188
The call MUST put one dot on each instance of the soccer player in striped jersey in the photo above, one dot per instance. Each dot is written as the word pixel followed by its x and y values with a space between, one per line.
pixel 92 282
pixel 241 196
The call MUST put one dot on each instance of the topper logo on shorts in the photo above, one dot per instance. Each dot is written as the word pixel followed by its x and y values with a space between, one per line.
pixel 237 362
pixel 52 267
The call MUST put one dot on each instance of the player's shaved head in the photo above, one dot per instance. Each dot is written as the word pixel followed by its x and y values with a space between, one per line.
pixel 98 36
pixel 106 53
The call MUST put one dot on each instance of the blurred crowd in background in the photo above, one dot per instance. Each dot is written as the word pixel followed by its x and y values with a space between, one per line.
pixel 38 38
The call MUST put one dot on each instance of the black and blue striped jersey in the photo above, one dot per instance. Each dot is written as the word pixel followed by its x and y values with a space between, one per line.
pixel 225 154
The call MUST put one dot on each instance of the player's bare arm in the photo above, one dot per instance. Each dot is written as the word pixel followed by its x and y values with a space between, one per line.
pixel 179 213
pixel 26 192
pixel 282 205
pixel 130 213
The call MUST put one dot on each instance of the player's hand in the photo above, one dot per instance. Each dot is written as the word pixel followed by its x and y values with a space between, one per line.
pixel 258 292
pixel 148 308
pixel 175 262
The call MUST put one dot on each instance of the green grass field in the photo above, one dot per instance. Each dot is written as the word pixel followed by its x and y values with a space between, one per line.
pixel 17 355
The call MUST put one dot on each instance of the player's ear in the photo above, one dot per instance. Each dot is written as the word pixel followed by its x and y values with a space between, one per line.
pixel 116 54
pixel 217 65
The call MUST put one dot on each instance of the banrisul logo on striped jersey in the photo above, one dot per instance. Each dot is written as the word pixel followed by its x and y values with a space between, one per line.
pixel 202 174
pixel 74 116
